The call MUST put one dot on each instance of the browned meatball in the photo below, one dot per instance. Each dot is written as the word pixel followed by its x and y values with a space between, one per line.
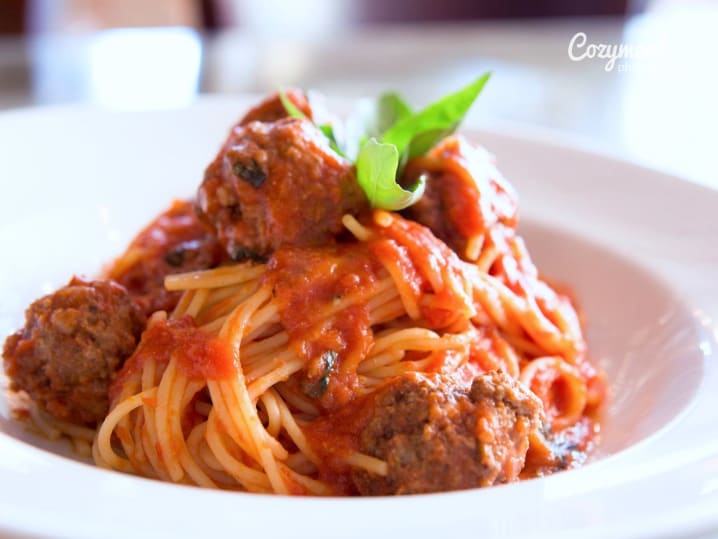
pixel 174 242
pixel 272 108
pixel 437 435
pixel 465 195
pixel 276 183
pixel 73 343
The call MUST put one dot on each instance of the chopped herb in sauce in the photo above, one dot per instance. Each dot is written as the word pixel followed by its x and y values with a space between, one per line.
pixel 176 257
pixel 316 388
pixel 241 254
pixel 250 172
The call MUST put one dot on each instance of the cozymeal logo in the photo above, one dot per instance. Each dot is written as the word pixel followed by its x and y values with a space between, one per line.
pixel 617 56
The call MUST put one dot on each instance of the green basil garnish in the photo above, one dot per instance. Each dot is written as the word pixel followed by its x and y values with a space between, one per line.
pixel 394 135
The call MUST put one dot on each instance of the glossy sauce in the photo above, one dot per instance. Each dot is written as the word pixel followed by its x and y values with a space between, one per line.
pixel 424 260
pixel 322 294
pixel 465 195
pixel 333 437
pixel 199 356
pixel 566 449
pixel 174 242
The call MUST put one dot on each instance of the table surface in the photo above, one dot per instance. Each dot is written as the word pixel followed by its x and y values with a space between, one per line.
pixel 656 104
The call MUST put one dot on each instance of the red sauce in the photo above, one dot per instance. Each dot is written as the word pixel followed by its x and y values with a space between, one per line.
pixel 334 436
pixel 272 108
pixel 393 254
pixel 310 286
pixel 428 256
pixel 322 295
pixel 476 196
pixel 199 355
pixel 174 242
pixel 465 194
pixel 567 449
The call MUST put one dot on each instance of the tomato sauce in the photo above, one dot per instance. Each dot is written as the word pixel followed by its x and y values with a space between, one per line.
pixel 564 450
pixel 199 356
pixel 428 259
pixel 322 294
pixel 174 242
pixel 333 437
pixel 465 195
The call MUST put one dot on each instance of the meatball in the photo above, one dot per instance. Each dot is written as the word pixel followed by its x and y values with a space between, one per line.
pixel 73 343
pixel 174 242
pixel 276 183
pixel 272 108
pixel 436 434
pixel 465 194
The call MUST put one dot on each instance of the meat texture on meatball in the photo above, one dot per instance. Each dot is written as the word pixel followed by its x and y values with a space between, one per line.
pixel 276 183
pixel 272 108
pixel 436 434
pixel 73 343
pixel 465 194
pixel 174 242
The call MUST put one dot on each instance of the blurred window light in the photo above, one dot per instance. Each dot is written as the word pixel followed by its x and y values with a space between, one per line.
pixel 667 108
pixel 296 19
pixel 142 68
pixel 80 16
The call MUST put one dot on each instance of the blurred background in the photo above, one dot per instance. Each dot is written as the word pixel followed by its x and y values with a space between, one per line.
pixel 655 103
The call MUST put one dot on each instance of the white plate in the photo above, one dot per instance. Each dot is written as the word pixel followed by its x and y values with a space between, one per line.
pixel 639 248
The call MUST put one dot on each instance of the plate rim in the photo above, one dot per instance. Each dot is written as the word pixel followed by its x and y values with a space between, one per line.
pixel 706 520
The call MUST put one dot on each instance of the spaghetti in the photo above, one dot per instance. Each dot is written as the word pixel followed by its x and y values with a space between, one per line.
pixel 388 353
pixel 237 420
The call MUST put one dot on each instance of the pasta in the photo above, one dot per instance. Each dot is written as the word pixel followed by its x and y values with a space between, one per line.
pixel 273 370
pixel 240 425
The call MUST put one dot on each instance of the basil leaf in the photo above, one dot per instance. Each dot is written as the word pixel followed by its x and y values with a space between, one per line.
pixel 371 118
pixel 435 121
pixel 359 125
pixel 390 109
pixel 425 141
pixel 377 165
pixel 328 131
pixel 402 135
pixel 289 106
pixel 294 112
